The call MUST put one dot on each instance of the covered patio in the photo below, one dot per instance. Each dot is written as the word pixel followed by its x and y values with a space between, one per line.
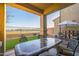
pixel 41 9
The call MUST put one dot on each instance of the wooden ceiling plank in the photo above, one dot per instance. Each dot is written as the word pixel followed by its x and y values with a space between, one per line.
pixel 55 7
pixel 52 8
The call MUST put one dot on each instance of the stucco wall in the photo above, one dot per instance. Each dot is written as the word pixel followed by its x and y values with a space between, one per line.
pixel 50 31
pixel 56 27
pixel 70 13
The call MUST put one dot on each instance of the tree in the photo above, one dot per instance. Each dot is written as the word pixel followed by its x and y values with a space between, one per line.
pixel 9 18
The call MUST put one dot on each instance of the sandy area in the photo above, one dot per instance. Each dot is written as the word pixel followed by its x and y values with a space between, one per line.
pixel 17 34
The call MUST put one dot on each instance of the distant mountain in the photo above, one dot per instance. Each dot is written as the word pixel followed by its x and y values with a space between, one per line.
pixel 13 27
pixel 26 28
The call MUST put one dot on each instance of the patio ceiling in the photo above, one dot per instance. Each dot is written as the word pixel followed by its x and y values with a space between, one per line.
pixel 40 8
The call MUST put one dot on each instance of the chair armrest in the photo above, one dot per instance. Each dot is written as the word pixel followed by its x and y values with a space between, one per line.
pixel 63 47
pixel 68 53
pixel 64 50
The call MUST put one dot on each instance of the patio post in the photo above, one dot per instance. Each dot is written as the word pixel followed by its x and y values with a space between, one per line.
pixel 2 34
pixel 43 30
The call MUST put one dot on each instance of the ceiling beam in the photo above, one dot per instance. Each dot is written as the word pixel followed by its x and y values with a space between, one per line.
pixel 27 7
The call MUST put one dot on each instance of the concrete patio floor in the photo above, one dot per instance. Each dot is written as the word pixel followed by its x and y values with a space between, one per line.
pixel 51 52
pixel 10 53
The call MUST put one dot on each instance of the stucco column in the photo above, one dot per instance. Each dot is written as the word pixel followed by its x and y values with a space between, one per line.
pixel 43 30
pixel 2 28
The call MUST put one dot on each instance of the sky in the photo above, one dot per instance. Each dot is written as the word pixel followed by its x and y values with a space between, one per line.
pixel 52 17
pixel 20 18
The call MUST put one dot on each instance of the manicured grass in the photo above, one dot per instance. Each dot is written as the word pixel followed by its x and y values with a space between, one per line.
pixel 10 44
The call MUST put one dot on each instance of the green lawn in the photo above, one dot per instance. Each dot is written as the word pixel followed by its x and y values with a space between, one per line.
pixel 10 44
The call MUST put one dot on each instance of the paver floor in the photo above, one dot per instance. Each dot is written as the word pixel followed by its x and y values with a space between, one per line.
pixel 10 53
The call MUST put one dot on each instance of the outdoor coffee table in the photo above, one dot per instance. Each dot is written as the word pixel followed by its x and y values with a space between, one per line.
pixel 33 48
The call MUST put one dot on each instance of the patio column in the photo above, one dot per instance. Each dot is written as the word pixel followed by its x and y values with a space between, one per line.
pixel 43 30
pixel 2 28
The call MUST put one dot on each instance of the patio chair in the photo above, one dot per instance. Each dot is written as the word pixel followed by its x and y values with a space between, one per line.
pixel 0 43
pixel 78 38
pixel 61 36
pixel 0 46
pixel 69 50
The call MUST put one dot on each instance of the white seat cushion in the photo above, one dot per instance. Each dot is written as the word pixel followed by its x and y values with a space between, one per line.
pixel 0 44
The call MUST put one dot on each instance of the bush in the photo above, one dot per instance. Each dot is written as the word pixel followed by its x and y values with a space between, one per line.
pixel 23 38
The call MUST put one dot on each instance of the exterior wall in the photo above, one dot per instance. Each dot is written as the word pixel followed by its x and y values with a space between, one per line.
pixel 69 13
pixel 1 22
pixel 56 27
pixel 50 31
